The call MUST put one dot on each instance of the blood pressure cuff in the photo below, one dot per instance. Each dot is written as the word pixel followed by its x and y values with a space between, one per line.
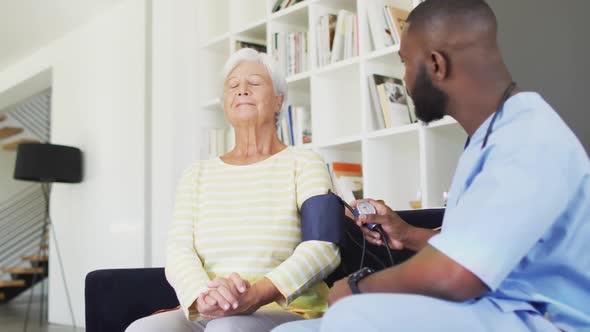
pixel 322 219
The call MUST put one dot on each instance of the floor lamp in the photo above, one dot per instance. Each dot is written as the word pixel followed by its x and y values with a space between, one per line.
pixel 48 163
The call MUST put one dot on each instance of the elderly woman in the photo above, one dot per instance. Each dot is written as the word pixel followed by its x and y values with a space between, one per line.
pixel 235 255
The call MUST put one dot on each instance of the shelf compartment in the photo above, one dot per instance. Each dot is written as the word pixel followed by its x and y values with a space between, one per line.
pixel 298 78
pixel 394 131
pixel 341 143
pixel 337 66
pixel 217 44
pixel 293 15
pixel 255 32
pixel 244 13
pixel 392 170
pixel 214 55
pixel 336 103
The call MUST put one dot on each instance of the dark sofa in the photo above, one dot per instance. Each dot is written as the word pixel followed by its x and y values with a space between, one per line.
pixel 117 297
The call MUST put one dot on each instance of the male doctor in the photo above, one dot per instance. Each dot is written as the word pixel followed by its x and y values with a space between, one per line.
pixel 514 250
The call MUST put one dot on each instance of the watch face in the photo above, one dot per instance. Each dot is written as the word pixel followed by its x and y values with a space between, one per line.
pixel 365 271
pixel 355 277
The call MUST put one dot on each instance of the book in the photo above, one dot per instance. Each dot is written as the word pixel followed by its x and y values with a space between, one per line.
pixel 378 25
pixel 347 180
pixel 377 113
pixel 394 102
pixel 325 31
pixel 277 6
pixel 282 4
pixel 289 49
pixel 244 44
pixel 290 113
pixel 302 125
pixel 398 18
pixel 384 105
pixel 339 36
pixel 416 3
pixel 390 101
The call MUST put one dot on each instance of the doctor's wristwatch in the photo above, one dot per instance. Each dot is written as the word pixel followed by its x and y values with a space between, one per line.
pixel 355 277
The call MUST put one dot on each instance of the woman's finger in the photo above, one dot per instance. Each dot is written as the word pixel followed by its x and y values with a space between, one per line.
pixel 228 295
pixel 206 305
pixel 238 282
pixel 210 301
pixel 217 282
pixel 220 299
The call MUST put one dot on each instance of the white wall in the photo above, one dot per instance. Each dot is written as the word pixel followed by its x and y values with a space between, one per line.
pixel 98 105
pixel 174 82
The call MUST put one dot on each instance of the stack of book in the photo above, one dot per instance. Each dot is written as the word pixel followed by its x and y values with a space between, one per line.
pixel 390 102
pixel 289 49
pixel 386 23
pixel 294 128
pixel 336 37
pixel 347 180
pixel 246 44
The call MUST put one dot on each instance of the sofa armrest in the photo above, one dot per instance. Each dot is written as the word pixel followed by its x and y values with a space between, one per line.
pixel 116 298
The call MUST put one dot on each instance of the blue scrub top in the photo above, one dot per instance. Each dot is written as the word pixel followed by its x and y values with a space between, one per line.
pixel 518 214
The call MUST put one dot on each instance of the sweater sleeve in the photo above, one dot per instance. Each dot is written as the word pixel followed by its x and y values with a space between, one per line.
pixel 312 261
pixel 184 269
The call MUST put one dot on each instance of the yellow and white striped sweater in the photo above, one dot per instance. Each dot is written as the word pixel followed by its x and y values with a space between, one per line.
pixel 245 219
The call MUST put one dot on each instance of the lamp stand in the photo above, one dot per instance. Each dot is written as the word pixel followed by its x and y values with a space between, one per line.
pixel 47 224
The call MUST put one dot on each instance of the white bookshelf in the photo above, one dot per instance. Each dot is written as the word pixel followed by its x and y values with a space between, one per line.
pixel 397 162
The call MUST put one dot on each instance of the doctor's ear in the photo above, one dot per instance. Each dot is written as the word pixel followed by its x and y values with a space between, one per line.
pixel 439 66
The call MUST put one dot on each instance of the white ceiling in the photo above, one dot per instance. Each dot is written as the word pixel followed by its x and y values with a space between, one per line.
pixel 27 25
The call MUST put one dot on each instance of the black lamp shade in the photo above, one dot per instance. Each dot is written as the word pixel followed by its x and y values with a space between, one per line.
pixel 48 163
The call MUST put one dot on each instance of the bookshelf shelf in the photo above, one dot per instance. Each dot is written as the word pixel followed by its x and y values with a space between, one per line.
pixel 254 31
pixel 297 78
pixel 394 131
pixel 217 43
pixel 244 13
pixel 350 5
pixel 294 15
pixel 446 121
pixel 350 142
pixel 383 53
pixel 333 67
pixel 399 164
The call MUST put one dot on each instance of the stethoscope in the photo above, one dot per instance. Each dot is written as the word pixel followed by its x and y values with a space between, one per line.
pixel 503 100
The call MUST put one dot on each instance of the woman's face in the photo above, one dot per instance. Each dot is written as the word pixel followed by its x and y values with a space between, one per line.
pixel 249 96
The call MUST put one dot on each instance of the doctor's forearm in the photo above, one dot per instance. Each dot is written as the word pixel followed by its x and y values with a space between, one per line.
pixel 429 273
pixel 417 238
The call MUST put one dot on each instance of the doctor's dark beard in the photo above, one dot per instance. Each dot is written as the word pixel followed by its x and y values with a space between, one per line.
pixel 430 101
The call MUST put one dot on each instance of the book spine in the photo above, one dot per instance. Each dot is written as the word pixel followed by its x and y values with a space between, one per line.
pixel 291 129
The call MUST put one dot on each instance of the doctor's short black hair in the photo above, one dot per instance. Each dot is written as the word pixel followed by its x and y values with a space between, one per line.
pixel 463 13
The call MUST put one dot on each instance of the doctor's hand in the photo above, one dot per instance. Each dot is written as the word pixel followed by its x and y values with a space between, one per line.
pixel 395 228
pixel 400 234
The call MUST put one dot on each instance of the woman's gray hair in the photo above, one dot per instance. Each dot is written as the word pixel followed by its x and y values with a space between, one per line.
pixel 276 75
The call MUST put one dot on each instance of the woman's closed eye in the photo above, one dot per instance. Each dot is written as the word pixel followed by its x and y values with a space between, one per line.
pixel 233 85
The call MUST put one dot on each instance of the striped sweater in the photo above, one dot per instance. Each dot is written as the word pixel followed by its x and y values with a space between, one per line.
pixel 245 219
